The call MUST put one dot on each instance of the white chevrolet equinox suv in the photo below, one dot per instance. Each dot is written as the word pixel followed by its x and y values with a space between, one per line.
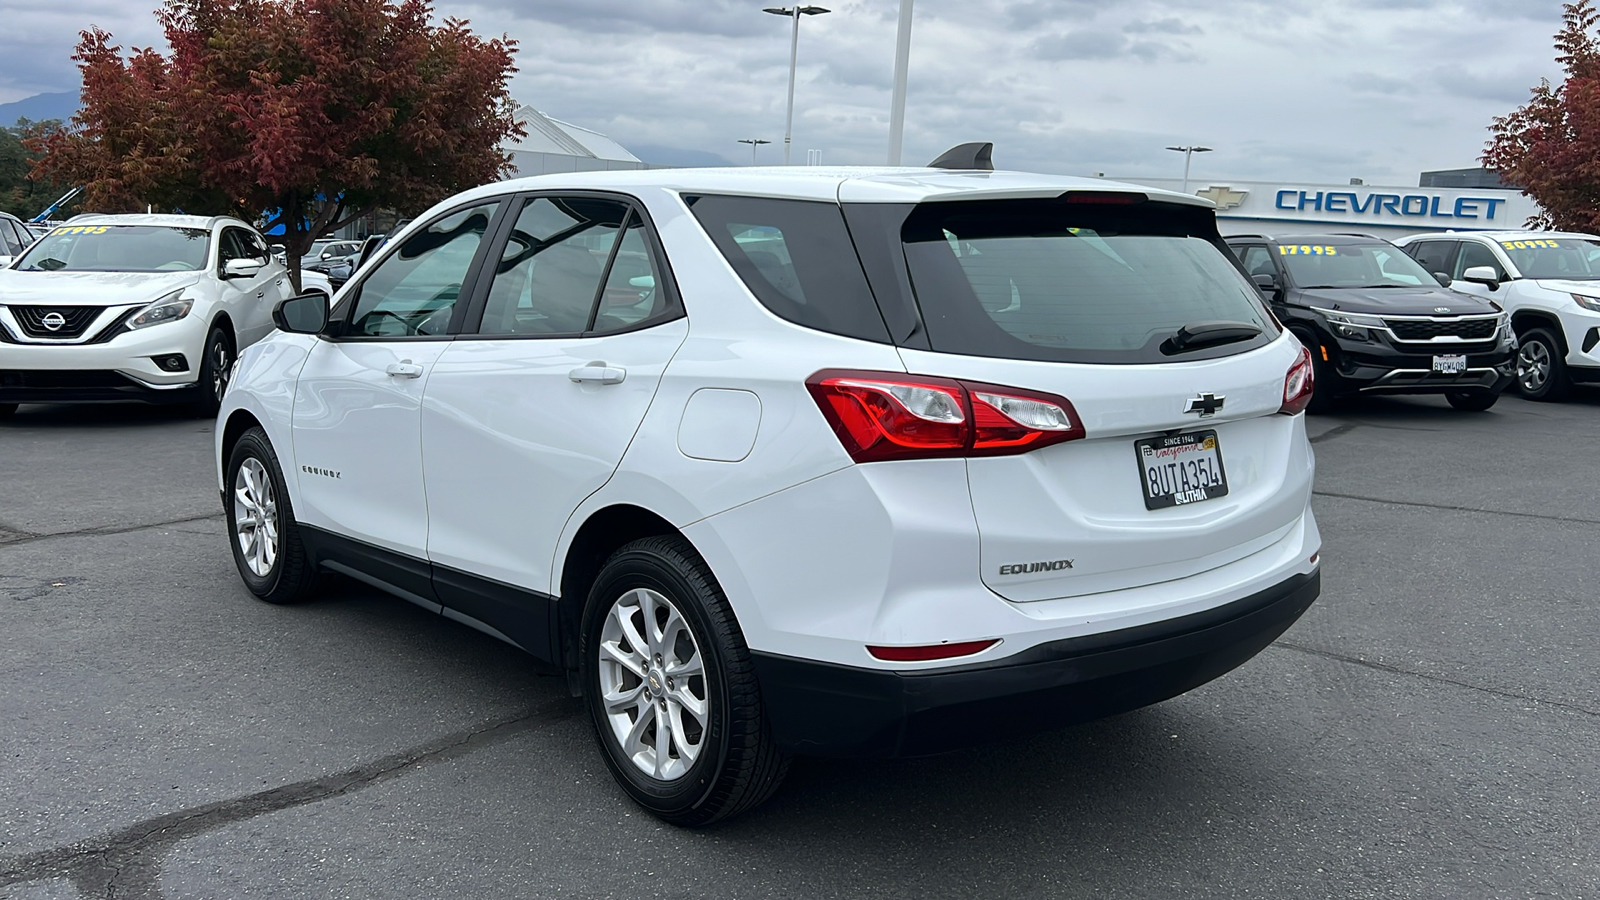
pixel 868 462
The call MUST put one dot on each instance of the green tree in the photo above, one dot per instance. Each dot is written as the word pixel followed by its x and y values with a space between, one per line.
pixel 20 195
pixel 318 110
pixel 1550 147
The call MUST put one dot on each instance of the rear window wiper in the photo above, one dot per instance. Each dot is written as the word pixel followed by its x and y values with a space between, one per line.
pixel 1199 335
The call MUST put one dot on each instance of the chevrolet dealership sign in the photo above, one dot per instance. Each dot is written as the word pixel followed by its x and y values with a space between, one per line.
pixel 1384 211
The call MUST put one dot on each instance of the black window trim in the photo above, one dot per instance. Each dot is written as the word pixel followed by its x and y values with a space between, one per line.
pixel 338 317
pixel 473 318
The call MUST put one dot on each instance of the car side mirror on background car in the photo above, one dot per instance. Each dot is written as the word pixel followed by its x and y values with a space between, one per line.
pixel 1443 279
pixel 242 268
pixel 305 314
pixel 1267 283
pixel 1484 275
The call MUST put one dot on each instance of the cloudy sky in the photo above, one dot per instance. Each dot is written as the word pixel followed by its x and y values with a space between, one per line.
pixel 1310 90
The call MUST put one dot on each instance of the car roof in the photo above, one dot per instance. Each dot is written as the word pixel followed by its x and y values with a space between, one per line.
pixel 1509 235
pixel 166 219
pixel 839 183
pixel 1336 237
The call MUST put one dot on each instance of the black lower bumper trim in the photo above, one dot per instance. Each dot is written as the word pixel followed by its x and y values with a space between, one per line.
pixel 822 709
pixel 1584 374
pixel 83 386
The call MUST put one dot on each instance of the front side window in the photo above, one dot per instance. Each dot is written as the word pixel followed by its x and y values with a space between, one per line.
pixel 1569 258
pixel 118 248
pixel 1257 260
pixel 1352 265
pixel 549 274
pixel 414 290
pixel 1054 281
pixel 1475 254
pixel 1435 256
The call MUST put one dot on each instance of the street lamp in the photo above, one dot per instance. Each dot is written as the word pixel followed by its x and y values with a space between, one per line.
pixel 897 99
pixel 754 143
pixel 794 12
pixel 1188 152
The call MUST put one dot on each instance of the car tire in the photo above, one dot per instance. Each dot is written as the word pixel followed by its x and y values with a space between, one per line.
pixel 707 766
pixel 216 367
pixel 6 409
pixel 266 543
pixel 1541 366
pixel 1472 401
pixel 1323 397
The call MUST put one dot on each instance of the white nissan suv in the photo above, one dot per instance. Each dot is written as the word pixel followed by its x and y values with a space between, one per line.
pixel 135 307
pixel 797 461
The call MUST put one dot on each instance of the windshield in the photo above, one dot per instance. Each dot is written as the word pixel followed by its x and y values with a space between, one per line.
pixel 118 248
pixel 1573 258
pixel 1063 282
pixel 1374 265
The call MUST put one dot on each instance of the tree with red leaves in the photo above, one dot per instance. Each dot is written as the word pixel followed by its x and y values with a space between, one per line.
pixel 319 111
pixel 1550 147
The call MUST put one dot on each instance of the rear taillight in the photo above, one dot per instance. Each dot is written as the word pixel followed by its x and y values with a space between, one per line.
pixel 1298 385
pixel 883 415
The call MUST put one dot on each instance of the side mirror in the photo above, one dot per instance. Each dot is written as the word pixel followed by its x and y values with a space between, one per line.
pixel 242 268
pixel 305 314
pixel 1267 283
pixel 1442 278
pixel 1484 275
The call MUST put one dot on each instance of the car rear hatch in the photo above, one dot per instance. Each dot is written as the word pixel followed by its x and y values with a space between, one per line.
pixel 1131 313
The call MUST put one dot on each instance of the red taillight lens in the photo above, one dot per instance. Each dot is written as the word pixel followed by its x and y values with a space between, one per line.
pixel 1298 385
pixel 881 415
pixel 931 651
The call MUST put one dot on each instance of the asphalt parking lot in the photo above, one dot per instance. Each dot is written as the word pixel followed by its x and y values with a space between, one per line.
pixel 1431 728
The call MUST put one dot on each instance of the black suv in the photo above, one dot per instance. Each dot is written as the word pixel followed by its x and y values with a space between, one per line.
pixel 1376 322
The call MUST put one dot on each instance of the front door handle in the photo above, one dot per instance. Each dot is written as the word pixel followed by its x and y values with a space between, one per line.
pixel 598 372
pixel 405 368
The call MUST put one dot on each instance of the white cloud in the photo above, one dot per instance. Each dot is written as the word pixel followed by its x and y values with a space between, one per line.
pixel 1310 89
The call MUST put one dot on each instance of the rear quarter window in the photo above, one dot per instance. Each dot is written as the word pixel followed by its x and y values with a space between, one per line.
pixel 797 258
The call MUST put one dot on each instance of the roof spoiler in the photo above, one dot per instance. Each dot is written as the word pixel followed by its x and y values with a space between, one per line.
pixel 974 155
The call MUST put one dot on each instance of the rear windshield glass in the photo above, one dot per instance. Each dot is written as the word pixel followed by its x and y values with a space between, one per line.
pixel 1374 265
pixel 1555 257
pixel 796 257
pixel 1060 282
pixel 118 248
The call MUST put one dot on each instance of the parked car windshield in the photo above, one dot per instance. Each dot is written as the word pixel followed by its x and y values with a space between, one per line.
pixel 1068 282
pixel 1572 258
pixel 1352 265
pixel 118 248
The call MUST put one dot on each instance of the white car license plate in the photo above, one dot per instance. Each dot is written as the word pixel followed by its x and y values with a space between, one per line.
pixel 1181 468
pixel 1454 364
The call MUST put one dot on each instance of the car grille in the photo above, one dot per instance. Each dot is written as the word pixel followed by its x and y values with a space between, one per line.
pixel 36 321
pixel 60 378
pixel 1426 329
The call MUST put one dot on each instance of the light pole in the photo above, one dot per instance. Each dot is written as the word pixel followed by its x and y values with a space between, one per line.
pixel 754 143
pixel 897 102
pixel 1188 152
pixel 794 12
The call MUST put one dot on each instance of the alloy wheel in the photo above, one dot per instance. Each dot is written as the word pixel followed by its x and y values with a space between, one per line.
pixel 255 517
pixel 653 684
pixel 1533 365
pixel 219 368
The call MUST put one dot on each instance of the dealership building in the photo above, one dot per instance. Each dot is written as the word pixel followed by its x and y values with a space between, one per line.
pixel 1270 207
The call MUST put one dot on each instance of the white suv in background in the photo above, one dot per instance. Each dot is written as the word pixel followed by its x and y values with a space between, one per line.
pixel 1548 281
pixel 796 461
pixel 136 307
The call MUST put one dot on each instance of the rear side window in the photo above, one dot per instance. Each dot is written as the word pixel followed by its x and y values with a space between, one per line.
pixel 1063 282
pixel 796 257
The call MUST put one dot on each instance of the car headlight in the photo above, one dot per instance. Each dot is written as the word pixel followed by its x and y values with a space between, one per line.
pixel 1351 325
pixel 1590 303
pixel 170 308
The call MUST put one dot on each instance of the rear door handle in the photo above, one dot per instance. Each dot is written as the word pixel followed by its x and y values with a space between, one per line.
pixel 598 372
pixel 404 369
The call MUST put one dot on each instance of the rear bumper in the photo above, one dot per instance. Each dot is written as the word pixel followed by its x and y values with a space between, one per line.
pixel 825 709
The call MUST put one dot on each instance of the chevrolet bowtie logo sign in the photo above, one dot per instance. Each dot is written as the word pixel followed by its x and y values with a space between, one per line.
pixel 1223 196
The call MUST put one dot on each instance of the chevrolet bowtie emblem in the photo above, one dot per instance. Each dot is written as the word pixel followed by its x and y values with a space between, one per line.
pixel 1206 404
pixel 1223 196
